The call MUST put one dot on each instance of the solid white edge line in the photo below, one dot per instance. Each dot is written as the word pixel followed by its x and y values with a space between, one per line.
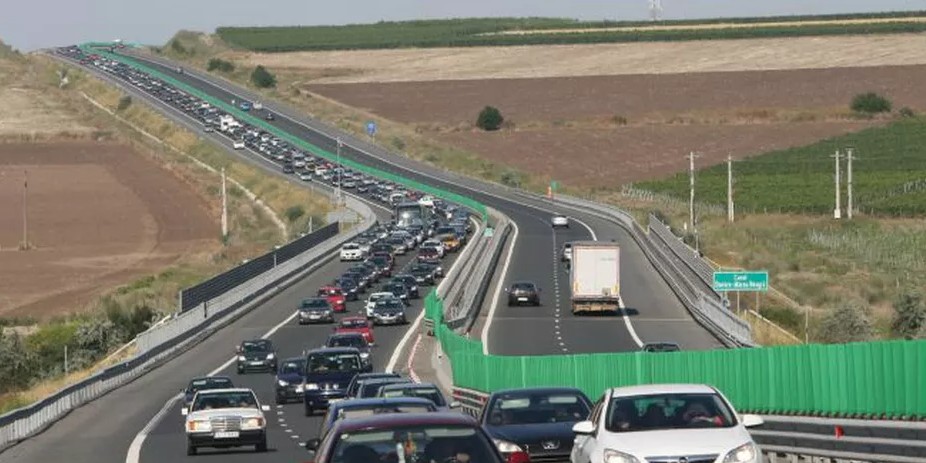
pixel 633 333
pixel 590 231
pixel 498 289
pixel 134 453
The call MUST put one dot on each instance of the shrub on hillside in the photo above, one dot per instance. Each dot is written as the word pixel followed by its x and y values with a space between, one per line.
pixel 490 118
pixel 870 103
pixel 221 65
pixel 906 111
pixel 17 365
pixel 511 178
pixel 849 322
pixel 294 213
pixel 124 103
pixel 178 47
pixel 262 78
pixel 909 315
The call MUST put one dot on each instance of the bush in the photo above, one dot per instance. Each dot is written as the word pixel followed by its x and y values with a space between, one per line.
pixel 398 143
pixel 17 364
pixel 124 103
pixel 178 47
pixel 48 343
pixel 262 78
pixel 909 315
pixel 850 322
pixel 511 178
pixel 907 112
pixel 870 103
pixel 490 118
pixel 294 213
pixel 218 64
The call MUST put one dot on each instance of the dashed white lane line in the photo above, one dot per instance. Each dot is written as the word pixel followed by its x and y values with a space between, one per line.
pixel 556 293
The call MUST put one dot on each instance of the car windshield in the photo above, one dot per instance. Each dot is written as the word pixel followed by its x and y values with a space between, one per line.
pixel 256 346
pixel 419 443
pixel 388 304
pixel 429 393
pixel 346 341
pixel 353 323
pixel 530 408
pixel 350 247
pixel 315 304
pixel 327 362
pixel 371 388
pixel 209 383
pixel 668 411
pixel 523 286
pixel 292 366
pixel 243 399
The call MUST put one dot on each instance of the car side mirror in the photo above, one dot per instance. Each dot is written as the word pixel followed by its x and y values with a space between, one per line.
pixel 312 444
pixel 265 408
pixel 751 421
pixel 184 411
pixel 455 405
pixel 584 428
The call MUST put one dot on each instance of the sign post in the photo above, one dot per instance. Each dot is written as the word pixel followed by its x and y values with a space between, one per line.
pixel 371 130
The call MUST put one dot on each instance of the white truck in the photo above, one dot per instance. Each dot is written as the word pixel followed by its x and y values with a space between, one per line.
pixel 595 276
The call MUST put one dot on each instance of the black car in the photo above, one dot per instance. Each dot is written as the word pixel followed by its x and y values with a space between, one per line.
pixel 383 264
pixel 205 383
pixel 289 380
pixel 423 274
pixel 370 387
pixel 538 421
pixel 355 340
pixel 349 286
pixel 523 292
pixel 359 278
pixel 328 372
pixel 269 116
pixel 256 354
pixel 436 269
pixel 288 168
pixel 315 310
pixel 398 289
pixel 410 282
pixel 355 384
pixel 660 347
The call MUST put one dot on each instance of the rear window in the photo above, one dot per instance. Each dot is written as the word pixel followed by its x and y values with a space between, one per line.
pixel 523 286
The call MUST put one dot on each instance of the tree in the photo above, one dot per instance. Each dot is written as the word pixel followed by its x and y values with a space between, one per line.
pixel 909 315
pixel 17 363
pixel 870 103
pixel 124 103
pixel 294 213
pixel 849 322
pixel 490 118
pixel 262 78
pixel 220 64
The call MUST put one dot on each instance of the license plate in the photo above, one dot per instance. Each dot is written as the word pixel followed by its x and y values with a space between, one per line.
pixel 522 299
pixel 226 435
pixel 257 362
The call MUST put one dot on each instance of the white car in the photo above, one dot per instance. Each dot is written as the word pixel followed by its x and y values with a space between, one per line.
pixel 434 244
pixel 373 299
pixel 305 176
pixel 224 418
pixel 351 252
pixel 566 255
pixel 560 221
pixel 665 422
pixel 238 145
pixel 427 201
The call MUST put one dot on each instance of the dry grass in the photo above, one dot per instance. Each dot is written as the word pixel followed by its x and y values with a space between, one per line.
pixel 591 60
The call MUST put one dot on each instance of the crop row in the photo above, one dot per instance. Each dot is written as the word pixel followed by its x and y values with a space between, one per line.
pixel 470 33
pixel 888 175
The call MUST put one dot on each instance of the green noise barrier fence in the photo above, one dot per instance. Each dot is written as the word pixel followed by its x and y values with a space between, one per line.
pixel 874 380
pixel 291 139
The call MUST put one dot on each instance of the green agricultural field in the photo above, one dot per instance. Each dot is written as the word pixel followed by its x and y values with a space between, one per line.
pixel 889 175
pixel 470 32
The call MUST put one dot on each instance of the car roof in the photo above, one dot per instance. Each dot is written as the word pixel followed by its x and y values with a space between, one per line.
pixel 410 386
pixel 200 378
pixel 334 350
pixel 385 379
pixel 382 294
pixel 377 374
pixel 354 318
pixel 358 403
pixel 345 335
pixel 226 390
pixel 538 390
pixel 390 420
pixel 648 389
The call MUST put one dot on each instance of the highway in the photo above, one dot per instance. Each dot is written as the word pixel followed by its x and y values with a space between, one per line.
pixel 105 430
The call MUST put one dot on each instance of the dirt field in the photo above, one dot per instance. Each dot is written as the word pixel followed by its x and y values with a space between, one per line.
pixel 594 60
pixel 613 157
pixel 98 216
pixel 30 112
pixel 635 97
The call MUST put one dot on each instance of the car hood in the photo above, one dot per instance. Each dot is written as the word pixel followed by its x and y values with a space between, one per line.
pixel 531 433
pixel 291 378
pixel 678 441
pixel 242 412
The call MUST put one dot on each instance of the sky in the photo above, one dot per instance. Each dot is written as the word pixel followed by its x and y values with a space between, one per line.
pixel 32 24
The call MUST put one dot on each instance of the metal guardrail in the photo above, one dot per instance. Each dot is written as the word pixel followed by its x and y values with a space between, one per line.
pixel 798 439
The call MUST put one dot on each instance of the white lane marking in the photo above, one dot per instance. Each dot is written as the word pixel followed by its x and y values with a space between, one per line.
pixel 590 231
pixel 282 425
pixel 498 290
pixel 411 360
pixel 134 453
pixel 633 333
pixel 294 436
pixel 288 430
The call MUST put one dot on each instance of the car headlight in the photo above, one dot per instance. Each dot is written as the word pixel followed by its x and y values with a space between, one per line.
pixel 364 355
pixel 311 387
pixel 614 456
pixel 198 425
pixel 299 388
pixel 506 447
pixel 746 453
pixel 270 356
pixel 252 423
pixel 241 358
pixel 282 383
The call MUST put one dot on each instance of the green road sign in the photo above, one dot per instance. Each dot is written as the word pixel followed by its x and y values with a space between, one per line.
pixel 488 232
pixel 740 281
pixel 554 184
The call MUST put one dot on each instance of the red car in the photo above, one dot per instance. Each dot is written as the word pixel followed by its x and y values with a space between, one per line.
pixel 356 325
pixel 335 297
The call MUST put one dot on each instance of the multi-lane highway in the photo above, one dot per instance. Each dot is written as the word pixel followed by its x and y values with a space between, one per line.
pixel 141 422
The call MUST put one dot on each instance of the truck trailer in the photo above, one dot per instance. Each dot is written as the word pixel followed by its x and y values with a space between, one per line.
pixel 595 277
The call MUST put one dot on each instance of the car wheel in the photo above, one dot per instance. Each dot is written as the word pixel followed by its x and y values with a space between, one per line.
pixel 262 446
pixel 190 449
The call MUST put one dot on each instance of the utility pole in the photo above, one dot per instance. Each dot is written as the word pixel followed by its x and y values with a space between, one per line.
pixel 849 184
pixel 691 182
pixel 25 245
pixel 837 213
pixel 224 208
pixel 340 168
pixel 730 188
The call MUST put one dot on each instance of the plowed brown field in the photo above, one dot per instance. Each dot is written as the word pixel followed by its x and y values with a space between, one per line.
pixel 98 216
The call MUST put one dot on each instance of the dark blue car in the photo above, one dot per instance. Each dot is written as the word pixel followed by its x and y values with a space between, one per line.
pixel 362 407
pixel 538 421
pixel 328 372
pixel 289 379
pixel 205 383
